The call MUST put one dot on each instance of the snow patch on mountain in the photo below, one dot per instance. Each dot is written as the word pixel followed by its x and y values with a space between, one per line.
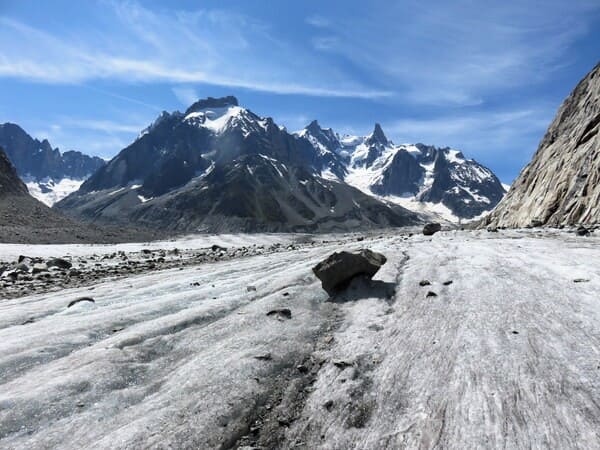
pixel 50 191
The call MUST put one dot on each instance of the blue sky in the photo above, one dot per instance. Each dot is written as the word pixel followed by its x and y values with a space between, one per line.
pixel 482 76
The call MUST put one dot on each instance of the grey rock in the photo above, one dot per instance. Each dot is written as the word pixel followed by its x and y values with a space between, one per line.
pixel 339 268
pixel 431 228
pixel 59 262
pixel 281 313
pixel 561 184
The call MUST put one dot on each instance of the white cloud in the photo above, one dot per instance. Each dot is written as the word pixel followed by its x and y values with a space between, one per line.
pixel 457 53
pixel 106 126
pixel 185 94
pixel 317 21
pixel 214 47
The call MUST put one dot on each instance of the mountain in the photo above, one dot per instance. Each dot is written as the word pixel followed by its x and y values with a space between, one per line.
pixel 49 174
pixel 561 184
pixel 220 167
pixel 10 183
pixel 24 219
pixel 419 177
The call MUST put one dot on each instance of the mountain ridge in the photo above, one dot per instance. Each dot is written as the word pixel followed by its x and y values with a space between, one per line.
pixel 48 173
pixel 175 159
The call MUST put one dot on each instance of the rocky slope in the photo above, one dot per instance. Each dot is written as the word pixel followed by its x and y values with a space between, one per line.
pixel 49 173
pixel 561 185
pixel 23 219
pixel 220 167
pixel 420 177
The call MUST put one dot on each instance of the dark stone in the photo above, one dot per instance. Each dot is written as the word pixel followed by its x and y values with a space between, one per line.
pixel 81 299
pixel 284 313
pixel 59 262
pixel 582 231
pixel 341 364
pixel 264 357
pixel 424 283
pixel 448 283
pixel 216 248
pixel 339 268
pixel 431 228
pixel 431 294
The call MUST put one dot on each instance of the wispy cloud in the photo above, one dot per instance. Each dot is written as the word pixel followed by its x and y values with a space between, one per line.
pixel 457 53
pixel 185 94
pixel 106 126
pixel 317 21
pixel 204 46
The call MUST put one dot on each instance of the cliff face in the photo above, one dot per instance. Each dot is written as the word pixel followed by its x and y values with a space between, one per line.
pixel 561 185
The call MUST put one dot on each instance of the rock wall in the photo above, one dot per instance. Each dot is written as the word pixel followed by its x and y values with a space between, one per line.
pixel 561 185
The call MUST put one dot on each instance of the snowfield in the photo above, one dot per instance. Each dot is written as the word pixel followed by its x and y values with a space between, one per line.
pixel 507 355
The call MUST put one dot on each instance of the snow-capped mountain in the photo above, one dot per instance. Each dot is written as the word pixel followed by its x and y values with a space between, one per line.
pixel 49 174
pixel 420 177
pixel 218 167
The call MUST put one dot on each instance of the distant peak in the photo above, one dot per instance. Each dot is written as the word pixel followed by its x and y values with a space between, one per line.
pixel 212 102
pixel 378 135
pixel 314 127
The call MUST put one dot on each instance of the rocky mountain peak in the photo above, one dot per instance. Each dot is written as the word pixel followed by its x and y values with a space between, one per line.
pixel 377 136
pixel 211 102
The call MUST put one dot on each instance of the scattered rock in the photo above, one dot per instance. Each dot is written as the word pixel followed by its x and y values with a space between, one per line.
pixel 515 332
pixel 81 299
pixel 447 283
pixel 328 405
pixel 59 262
pixel 264 357
pixel 582 231
pixel 431 294
pixel 302 368
pixel 424 283
pixel 340 364
pixel 39 267
pixel 216 248
pixel 22 267
pixel 250 288
pixel 285 294
pixel 492 229
pixel 580 280
pixel 431 228
pixel 339 268
pixel 282 313
pixel 28 321
pixel 283 421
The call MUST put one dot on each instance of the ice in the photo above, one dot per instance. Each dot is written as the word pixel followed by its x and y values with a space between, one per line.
pixel 50 191
pixel 504 357
pixel 215 119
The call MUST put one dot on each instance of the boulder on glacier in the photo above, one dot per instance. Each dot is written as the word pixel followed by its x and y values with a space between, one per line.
pixel 339 268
